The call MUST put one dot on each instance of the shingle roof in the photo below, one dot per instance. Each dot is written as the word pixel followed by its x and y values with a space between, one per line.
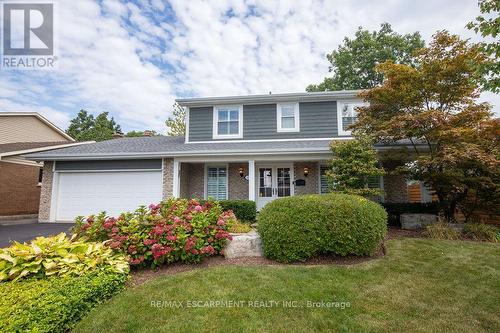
pixel 19 146
pixel 164 146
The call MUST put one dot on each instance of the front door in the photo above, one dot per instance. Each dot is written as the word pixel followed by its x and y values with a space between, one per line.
pixel 273 181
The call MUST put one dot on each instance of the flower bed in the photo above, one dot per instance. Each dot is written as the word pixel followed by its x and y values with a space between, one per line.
pixel 171 231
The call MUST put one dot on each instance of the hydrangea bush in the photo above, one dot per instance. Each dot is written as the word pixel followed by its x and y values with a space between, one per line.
pixel 171 231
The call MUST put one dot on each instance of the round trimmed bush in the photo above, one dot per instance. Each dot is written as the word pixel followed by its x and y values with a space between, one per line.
pixel 300 227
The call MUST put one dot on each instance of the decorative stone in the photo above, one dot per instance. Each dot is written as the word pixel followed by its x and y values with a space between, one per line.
pixel 244 245
pixel 417 221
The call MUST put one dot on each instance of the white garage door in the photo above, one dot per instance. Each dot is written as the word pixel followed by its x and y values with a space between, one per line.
pixel 86 193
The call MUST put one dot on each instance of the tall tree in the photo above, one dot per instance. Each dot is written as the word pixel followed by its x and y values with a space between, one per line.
pixel 433 106
pixel 84 127
pixel 353 63
pixel 488 25
pixel 353 166
pixel 177 123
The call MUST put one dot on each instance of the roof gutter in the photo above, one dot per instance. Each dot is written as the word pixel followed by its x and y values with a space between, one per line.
pixel 174 154
pixel 269 98
pixel 41 149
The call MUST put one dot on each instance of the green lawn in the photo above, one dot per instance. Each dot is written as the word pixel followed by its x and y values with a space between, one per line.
pixel 421 285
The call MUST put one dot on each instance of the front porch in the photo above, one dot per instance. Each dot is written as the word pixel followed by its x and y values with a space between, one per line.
pixel 259 180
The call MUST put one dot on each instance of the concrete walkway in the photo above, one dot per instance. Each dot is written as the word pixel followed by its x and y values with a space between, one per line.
pixel 26 232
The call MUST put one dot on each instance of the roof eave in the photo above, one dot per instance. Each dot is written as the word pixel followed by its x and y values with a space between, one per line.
pixel 270 98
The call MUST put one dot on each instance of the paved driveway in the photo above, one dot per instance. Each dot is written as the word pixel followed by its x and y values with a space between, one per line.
pixel 26 232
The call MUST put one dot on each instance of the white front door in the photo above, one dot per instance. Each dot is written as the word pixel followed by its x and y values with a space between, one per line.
pixel 273 181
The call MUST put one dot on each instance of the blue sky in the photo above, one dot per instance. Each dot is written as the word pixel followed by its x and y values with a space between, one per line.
pixel 134 58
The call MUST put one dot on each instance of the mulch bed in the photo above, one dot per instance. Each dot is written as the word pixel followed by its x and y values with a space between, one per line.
pixel 141 276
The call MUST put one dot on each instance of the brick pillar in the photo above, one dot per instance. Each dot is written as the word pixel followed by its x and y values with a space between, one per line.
pixel 168 177
pixel 46 192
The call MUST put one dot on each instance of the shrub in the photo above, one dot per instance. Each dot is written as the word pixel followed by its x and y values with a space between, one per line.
pixel 441 230
pixel 482 232
pixel 244 210
pixel 300 227
pixel 54 304
pixel 46 256
pixel 240 228
pixel 174 230
pixel 394 210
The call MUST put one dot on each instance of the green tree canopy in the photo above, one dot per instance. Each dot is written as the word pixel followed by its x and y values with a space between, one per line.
pixel 177 123
pixel 488 25
pixel 84 127
pixel 454 139
pixel 134 134
pixel 353 63
pixel 354 164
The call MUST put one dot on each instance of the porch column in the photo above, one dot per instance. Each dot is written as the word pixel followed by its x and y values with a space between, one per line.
pixel 176 188
pixel 251 180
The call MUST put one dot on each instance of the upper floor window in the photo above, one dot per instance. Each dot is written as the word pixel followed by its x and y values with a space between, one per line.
pixel 288 117
pixel 228 122
pixel 346 115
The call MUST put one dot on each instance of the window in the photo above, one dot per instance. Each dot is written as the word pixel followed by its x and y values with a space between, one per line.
pixel 217 183
pixel 346 113
pixel 40 176
pixel 228 122
pixel 288 117
pixel 376 182
pixel 325 184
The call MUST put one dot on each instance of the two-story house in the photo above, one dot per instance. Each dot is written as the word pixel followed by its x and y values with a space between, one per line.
pixel 257 147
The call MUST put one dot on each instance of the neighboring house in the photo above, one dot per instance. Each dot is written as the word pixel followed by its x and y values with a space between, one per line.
pixel 258 147
pixel 20 179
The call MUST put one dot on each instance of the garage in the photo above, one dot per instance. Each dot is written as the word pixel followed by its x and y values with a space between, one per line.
pixel 84 188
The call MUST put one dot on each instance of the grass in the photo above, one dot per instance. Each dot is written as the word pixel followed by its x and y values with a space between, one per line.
pixel 421 286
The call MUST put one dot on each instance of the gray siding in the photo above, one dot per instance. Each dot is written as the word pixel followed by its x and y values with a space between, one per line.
pixel 108 165
pixel 317 120
pixel 200 124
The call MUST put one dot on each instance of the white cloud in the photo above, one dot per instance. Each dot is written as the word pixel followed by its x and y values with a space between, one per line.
pixel 133 59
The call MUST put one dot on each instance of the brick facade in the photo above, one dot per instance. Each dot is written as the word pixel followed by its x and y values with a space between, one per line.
pixel 192 180
pixel 395 188
pixel 312 184
pixel 237 185
pixel 46 193
pixel 19 190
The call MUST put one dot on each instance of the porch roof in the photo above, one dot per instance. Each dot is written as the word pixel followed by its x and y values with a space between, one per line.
pixel 164 146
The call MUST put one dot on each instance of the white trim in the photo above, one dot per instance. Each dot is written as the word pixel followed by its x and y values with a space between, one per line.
pixel 269 98
pixel 215 117
pixel 176 184
pixel 41 118
pixel 44 148
pixel 106 170
pixel 186 134
pixel 247 157
pixel 251 180
pixel 276 140
pixel 279 116
pixel 205 185
pixel 340 104
pixel 20 160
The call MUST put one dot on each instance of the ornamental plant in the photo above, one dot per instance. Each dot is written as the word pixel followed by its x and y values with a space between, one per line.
pixel 58 256
pixel 175 230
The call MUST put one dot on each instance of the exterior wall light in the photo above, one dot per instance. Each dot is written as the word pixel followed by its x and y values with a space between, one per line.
pixel 306 171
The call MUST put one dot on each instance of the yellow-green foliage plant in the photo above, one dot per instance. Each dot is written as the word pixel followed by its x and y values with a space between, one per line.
pixel 58 256
pixel 240 228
